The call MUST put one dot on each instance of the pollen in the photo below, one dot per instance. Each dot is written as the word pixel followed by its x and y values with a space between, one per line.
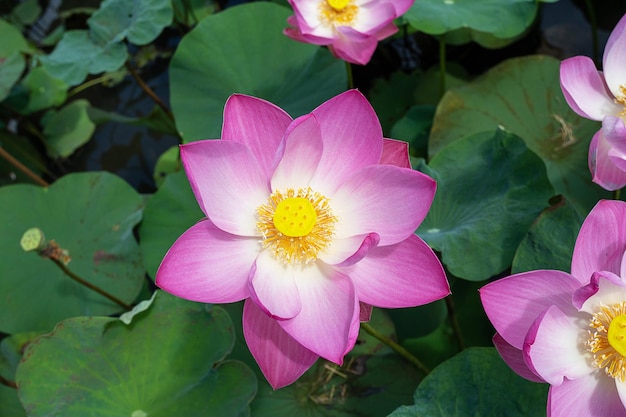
pixel 296 225
pixel 621 99
pixel 607 340
pixel 338 12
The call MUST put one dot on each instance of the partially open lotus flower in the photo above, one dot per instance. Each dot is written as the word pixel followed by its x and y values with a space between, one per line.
pixel 311 222
pixel 350 28
pixel 569 329
pixel 601 95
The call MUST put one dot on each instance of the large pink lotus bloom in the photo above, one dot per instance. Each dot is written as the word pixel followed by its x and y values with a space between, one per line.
pixel 311 222
pixel 569 330
pixel 601 96
pixel 350 28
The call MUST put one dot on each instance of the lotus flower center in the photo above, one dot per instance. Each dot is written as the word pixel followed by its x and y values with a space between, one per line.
pixel 338 12
pixel 621 99
pixel 296 225
pixel 295 217
pixel 607 340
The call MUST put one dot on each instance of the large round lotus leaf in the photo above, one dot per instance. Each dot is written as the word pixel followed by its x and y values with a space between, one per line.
pixel 169 212
pixel 491 23
pixel 141 21
pixel 523 95
pixel 78 54
pixel 550 241
pixel 490 188
pixel 476 382
pixel 91 215
pixel 243 50
pixel 364 386
pixel 169 361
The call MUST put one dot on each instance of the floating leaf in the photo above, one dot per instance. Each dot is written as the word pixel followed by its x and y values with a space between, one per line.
pixel 11 69
pixel 168 163
pixel 243 50
pixel 491 23
pixel 78 54
pixel 141 21
pixel 12 40
pixel 91 215
pixel 44 91
pixel 68 129
pixel 10 355
pixel 169 212
pixel 490 189
pixel 169 361
pixel 550 241
pixel 524 96
pixel 190 12
pixel 476 382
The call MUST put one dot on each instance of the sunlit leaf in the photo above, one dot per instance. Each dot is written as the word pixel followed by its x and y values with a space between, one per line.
pixel 490 188
pixel 242 49
pixel 169 361
pixel 91 215
pixel 524 96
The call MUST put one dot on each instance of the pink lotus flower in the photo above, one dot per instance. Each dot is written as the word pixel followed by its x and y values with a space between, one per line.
pixel 350 28
pixel 569 330
pixel 602 96
pixel 310 221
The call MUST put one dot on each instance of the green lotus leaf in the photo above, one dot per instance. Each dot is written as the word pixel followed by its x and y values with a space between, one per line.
pixel 11 349
pixel 169 361
pixel 243 50
pixel 523 95
pixel 68 129
pixel 78 54
pixel 169 212
pixel 476 382
pixel 92 216
pixel 12 40
pixel 141 21
pixel 550 241
pixel 11 69
pixel 491 23
pixel 44 91
pixel 490 188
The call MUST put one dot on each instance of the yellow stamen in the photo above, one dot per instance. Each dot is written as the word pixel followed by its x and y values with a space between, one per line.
pixel 607 340
pixel 338 12
pixel 296 225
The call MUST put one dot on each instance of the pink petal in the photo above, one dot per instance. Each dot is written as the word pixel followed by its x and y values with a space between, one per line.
pixel 347 251
pixel 352 139
pixel 407 274
pixel 594 395
pixel 383 199
pixel 295 34
pixel 330 311
pixel 386 31
pixel 273 287
pixel 615 133
pixel 208 265
pixel 601 241
pixel 513 357
pixel 605 289
pixel 614 60
pixel 302 151
pixel 373 17
pixel 402 6
pixel 258 124
pixel 365 312
pixel 395 152
pixel 584 89
pixel 552 347
pixel 227 182
pixel 603 169
pixel 513 303
pixel 353 46
pixel 621 391
pixel 281 359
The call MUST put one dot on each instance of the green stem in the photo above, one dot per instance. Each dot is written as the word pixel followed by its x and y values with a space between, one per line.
pixel 89 284
pixel 442 65
pixel 99 80
pixel 594 31
pixel 454 323
pixel 6 382
pixel 350 76
pixel 20 166
pixel 146 88
pixel 396 347
pixel 616 194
